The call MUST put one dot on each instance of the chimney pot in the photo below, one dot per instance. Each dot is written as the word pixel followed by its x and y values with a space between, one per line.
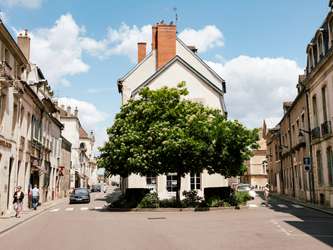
pixel 142 47
pixel 76 112
pixel 68 110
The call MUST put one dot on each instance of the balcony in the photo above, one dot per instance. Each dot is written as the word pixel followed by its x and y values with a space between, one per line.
pixel 326 128
pixel 315 133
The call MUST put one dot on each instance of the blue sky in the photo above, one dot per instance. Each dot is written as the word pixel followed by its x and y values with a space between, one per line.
pixel 257 46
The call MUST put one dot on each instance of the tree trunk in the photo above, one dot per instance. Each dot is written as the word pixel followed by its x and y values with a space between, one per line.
pixel 178 189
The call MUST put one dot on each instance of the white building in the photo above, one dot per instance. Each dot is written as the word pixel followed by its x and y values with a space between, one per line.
pixel 82 160
pixel 170 62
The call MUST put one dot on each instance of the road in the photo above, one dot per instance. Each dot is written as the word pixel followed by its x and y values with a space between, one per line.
pixel 81 226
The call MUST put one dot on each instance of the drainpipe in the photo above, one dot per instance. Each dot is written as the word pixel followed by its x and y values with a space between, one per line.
pixel 291 156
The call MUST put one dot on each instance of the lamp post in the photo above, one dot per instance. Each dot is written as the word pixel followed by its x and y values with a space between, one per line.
pixel 310 170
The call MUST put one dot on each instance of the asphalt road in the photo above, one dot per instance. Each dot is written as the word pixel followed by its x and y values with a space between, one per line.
pixel 81 226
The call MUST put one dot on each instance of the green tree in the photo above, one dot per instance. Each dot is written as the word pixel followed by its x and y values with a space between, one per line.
pixel 162 133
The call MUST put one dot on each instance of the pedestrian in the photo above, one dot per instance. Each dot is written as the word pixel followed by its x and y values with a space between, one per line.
pixel 266 192
pixel 18 201
pixel 35 197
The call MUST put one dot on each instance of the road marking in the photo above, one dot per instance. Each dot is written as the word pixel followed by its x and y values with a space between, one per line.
pixel 69 209
pixel 252 205
pixel 98 208
pixel 297 206
pixel 54 210
pixel 83 208
pixel 280 227
pixel 282 206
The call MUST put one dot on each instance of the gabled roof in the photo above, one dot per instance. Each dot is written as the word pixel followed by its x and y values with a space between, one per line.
pixel 135 67
pixel 83 134
pixel 184 63
pixel 201 61
pixel 6 34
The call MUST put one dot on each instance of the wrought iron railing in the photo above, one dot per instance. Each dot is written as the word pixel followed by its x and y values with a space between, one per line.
pixel 326 128
pixel 315 133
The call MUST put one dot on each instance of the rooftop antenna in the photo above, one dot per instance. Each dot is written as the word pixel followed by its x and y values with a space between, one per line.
pixel 176 17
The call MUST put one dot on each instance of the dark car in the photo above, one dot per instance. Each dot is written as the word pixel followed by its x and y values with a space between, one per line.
pixel 79 195
pixel 96 188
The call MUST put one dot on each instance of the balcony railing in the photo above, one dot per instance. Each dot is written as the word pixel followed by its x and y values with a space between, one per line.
pixel 326 128
pixel 315 133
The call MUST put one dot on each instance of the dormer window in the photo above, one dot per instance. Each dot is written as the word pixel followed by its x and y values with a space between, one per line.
pixel 320 46
pixel 310 58
pixel 330 32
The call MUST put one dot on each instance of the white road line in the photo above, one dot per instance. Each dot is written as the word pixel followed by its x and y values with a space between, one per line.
pixel 297 206
pixel 282 206
pixel 54 210
pixel 84 208
pixel 253 205
pixel 69 209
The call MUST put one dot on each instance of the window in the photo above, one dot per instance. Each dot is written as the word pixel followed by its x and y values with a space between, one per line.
pixel 303 121
pixel 321 48
pixel 329 155
pixel 172 182
pixel 7 56
pixel 14 117
pixel 151 180
pixel 323 97
pixel 195 181
pixel 315 111
pixel 319 168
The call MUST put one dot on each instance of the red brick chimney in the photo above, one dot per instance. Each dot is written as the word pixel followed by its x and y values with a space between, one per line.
pixel 164 42
pixel 23 41
pixel 141 51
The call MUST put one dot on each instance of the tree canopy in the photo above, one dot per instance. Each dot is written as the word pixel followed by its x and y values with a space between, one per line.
pixel 161 132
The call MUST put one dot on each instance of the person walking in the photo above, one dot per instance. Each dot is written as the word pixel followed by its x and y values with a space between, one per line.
pixel 18 201
pixel 35 197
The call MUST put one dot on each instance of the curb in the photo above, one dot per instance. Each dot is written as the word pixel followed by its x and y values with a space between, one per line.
pixel 27 219
pixel 303 204
pixel 173 209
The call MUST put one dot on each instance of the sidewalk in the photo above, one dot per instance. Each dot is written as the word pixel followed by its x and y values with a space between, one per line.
pixel 305 204
pixel 7 223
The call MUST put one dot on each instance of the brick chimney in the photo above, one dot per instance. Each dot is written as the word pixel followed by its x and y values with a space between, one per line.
pixel 23 41
pixel 164 42
pixel 142 48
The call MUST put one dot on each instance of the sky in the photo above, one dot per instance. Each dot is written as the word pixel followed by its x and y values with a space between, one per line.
pixel 83 47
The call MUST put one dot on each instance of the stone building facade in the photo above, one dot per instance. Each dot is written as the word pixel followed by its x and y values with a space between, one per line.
pixel 30 130
pixel 256 173
pixel 304 134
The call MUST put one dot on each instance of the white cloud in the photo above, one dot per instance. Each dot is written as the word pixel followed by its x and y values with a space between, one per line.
pixel 204 39
pixel 123 41
pixel 3 17
pixel 58 50
pixel 32 4
pixel 256 87
pixel 90 117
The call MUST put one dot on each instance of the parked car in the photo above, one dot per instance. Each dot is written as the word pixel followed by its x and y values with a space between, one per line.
pixel 96 188
pixel 79 195
pixel 247 188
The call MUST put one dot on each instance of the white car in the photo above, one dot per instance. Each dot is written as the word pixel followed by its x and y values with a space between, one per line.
pixel 247 188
